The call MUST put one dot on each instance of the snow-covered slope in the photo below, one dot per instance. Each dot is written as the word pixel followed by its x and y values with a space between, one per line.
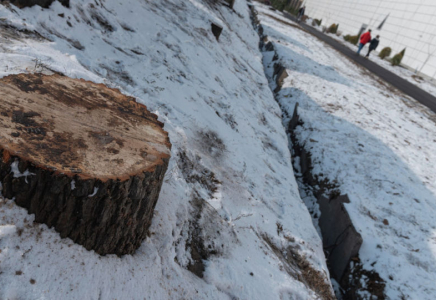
pixel 377 144
pixel 229 209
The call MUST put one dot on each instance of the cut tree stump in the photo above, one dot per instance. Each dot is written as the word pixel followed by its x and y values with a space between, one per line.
pixel 42 3
pixel 216 30
pixel 82 157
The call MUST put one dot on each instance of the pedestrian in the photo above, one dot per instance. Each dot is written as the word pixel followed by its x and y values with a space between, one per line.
pixel 364 39
pixel 373 45
pixel 301 13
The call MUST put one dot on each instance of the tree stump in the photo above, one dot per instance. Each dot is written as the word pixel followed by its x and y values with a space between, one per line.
pixel 83 158
pixel 216 30
pixel 42 3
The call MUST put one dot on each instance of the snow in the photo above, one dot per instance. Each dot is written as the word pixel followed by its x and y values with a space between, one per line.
pixel 17 173
pixel 73 185
pixel 94 192
pixel 378 144
pixel 229 183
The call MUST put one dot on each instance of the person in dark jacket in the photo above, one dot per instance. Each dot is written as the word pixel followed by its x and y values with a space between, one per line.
pixel 301 13
pixel 373 45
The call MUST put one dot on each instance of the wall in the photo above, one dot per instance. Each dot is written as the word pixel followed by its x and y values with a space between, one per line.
pixel 411 24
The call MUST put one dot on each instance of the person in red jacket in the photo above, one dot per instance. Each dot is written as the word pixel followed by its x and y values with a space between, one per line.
pixel 364 39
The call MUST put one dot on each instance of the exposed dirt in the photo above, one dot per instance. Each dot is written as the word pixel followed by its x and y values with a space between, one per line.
pixel 101 20
pixel 298 267
pixel 212 143
pixel 194 172
pixel 75 43
pixel 9 32
pixel 205 226
pixel 357 280
pixel 286 23
pixel 195 244
pixel 418 78
pixel 204 231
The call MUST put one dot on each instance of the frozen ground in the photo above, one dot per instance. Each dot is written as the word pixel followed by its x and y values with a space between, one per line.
pixel 379 145
pixel 229 209
pixel 424 83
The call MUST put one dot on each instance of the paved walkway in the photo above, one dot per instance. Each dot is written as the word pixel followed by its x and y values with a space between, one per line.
pixel 403 85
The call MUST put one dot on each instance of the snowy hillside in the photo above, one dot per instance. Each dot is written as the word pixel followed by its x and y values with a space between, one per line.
pixel 376 144
pixel 229 223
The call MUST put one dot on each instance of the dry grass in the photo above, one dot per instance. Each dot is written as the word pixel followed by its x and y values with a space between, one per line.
pixel 297 266
pixel 360 280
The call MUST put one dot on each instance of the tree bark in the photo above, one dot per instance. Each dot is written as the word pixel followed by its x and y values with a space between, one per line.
pixel 83 158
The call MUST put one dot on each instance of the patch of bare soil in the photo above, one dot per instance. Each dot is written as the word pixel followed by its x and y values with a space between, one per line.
pixel 199 252
pixel 418 78
pixel 9 32
pixel 357 280
pixel 101 20
pixel 285 23
pixel 205 230
pixel 297 266
pixel 194 172
pixel 205 226
pixel 75 43
pixel 212 144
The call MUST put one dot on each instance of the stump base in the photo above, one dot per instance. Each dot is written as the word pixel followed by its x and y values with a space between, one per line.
pixel 83 158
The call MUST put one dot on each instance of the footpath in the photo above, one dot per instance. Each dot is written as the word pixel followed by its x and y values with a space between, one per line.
pixel 401 84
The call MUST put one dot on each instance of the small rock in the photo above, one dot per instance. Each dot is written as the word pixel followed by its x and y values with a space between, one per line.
pixel 32 281
pixel 18 272
pixel 386 222
pixel 355 259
